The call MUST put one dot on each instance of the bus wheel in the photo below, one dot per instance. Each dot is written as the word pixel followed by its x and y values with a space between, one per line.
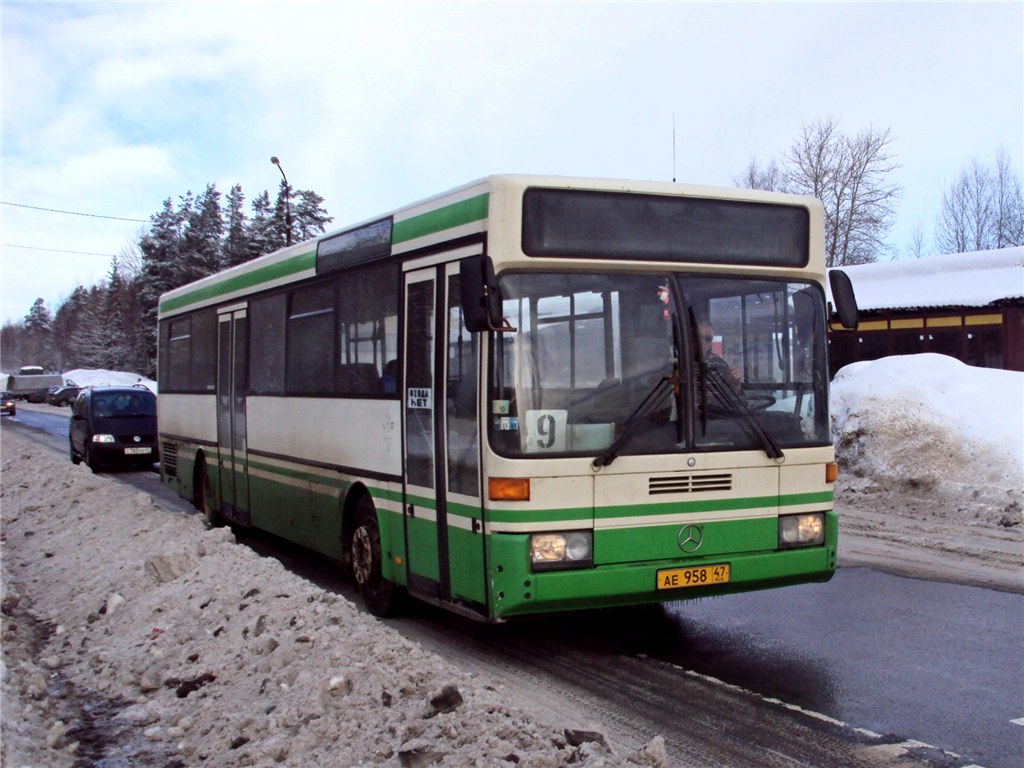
pixel 203 501
pixel 380 595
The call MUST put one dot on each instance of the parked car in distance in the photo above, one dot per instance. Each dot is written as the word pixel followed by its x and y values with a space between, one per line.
pixel 7 404
pixel 40 395
pixel 65 395
pixel 114 426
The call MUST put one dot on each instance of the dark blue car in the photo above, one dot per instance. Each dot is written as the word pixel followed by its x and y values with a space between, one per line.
pixel 114 427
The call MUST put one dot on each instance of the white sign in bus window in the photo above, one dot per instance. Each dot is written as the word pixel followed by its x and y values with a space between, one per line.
pixel 546 430
pixel 419 397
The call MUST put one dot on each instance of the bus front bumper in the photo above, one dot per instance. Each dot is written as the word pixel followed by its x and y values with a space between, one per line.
pixel 636 583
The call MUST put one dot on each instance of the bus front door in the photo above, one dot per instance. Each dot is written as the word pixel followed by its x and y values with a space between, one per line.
pixel 232 381
pixel 442 510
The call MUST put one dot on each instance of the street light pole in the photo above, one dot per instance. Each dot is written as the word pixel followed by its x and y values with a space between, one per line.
pixel 287 202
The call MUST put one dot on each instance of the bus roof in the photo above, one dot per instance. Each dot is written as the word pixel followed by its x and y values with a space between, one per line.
pixel 457 214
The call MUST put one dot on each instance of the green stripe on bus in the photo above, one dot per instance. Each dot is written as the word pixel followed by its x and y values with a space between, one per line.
pixel 821 497
pixel 454 215
pixel 245 281
pixel 298 472
pixel 675 507
pixel 538 515
pixel 715 505
pixel 640 510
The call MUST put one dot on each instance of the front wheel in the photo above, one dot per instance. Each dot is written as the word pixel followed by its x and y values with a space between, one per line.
pixel 380 595
pixel 75 458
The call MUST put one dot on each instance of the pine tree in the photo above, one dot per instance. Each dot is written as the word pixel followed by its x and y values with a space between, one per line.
pixel 118 341
pixel 204 227
pixel 161 252
pixel 260 235
pixel 90 336
pixel 283 227
pixel 65 320
pixel 236 246
pixel 38 334
pixel 38 319
pixel 310 217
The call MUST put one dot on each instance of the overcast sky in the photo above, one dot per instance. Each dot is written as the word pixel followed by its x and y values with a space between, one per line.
pixel 111 108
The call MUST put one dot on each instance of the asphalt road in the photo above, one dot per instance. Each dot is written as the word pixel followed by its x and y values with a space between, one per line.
pixel 814 674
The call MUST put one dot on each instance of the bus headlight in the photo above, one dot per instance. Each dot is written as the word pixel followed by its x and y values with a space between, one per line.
pixel 801 530
pixel 571 549
pixel 103 439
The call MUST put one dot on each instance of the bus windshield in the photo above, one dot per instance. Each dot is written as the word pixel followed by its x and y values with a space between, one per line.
pixel 622 363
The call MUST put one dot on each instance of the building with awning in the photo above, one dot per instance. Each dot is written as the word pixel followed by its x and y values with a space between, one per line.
pixel 966 305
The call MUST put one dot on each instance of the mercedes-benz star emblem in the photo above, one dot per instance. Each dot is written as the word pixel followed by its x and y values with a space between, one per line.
pixel 690 538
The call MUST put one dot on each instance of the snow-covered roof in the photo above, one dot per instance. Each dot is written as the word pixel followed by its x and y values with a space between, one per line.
pixel 975 279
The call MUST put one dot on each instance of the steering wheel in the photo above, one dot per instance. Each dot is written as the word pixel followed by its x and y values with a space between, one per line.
pixel 757 401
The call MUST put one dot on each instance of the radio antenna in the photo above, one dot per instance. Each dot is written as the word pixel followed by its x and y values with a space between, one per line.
pixel 673 147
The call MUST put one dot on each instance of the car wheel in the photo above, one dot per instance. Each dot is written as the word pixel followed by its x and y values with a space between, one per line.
pixel 90 461
pixel 75 458
pixel 382 597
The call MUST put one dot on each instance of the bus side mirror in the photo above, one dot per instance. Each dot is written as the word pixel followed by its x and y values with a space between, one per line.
pixel 481 299
pixel 842 296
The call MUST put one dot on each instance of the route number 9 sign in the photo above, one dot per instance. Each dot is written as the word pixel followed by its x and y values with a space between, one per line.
pixel 546 431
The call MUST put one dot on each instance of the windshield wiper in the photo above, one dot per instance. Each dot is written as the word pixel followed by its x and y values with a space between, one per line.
pixel 715 380
pixel 647 406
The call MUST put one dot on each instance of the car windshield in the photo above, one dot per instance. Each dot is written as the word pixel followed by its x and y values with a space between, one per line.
pixel 616 364
pixel 123 405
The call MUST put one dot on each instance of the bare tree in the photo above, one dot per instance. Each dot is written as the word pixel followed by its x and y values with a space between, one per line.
pixel 768 178
pixel 916 249
pixel 1009 203
pixel 850 175
pixel 982 209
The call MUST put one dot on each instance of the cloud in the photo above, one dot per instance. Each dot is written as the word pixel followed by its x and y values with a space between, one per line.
pixel 117 106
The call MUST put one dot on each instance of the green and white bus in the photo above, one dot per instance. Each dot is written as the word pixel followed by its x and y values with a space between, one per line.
pixel 528 394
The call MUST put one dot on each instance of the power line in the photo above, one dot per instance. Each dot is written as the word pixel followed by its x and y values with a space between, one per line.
pixel 72 213
pixel 55 250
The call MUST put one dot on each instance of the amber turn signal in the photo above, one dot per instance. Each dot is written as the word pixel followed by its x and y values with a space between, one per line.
pixel 508 488
pixel 831 472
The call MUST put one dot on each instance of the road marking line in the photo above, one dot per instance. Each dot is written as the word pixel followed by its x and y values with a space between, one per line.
pixel 1018 721
pixel 908 744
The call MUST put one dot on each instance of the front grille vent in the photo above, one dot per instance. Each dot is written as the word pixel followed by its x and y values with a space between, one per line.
pixel 689 484
pixel 169 458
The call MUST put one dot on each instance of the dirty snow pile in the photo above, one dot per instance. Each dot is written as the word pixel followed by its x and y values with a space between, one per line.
pixel 136 635
pixel 931 456
pixel 931 424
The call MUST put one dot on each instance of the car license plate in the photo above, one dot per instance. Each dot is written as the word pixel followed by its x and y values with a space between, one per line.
pixel 697 576
pixel 137 451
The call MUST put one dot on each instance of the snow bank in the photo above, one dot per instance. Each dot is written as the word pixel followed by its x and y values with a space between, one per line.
pixel 931 423
pixel 99 377
pixel 135 635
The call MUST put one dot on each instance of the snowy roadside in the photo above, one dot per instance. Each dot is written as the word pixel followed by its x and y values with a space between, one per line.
pixel 142 637
pixel 917 537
